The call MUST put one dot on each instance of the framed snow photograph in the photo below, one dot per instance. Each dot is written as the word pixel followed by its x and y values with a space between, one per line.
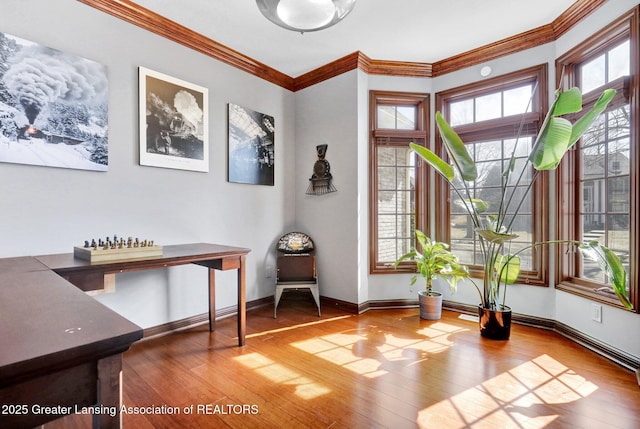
pixel 251 146
pixel 53 107
pixel 173 122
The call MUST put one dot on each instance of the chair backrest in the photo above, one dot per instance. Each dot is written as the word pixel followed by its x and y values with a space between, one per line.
pixel 296 261
pixel 295 243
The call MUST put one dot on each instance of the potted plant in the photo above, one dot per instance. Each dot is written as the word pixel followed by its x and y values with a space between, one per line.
pixel 501 268
pixel 434 260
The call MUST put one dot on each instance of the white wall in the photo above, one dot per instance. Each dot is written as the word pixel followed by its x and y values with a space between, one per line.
pixel 50 210
pixel 327 113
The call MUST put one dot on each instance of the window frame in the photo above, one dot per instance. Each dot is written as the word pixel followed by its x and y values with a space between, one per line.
pixel 397 138
pixel 499 129
pixel 568 65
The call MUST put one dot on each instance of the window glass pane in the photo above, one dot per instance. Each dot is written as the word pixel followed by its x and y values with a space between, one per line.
pixel 387 226
pixel 516 100
pixel 618 193
pixel 488 151
pixel 396 201
pixel 619 61
pixel 387 250
pixel 406 119
pixel 488 107
pixel 526 256
pixel 386 156
pixel 405 227
pixel 386 117
pixel 386 178
pixel 405 178
pixel 520 175
pixel 461 112
pixel 593 158
pixel 618 236
pixel 490 158
pixel 522 146
pixel 618 123
pixel 593 74
pixel 463 239
pixel 386 202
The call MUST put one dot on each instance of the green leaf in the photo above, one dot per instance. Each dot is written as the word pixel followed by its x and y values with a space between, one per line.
pixel 569 101
pixel 617 276
pixel 508 267
pixel 551 145
pixel 495 237
pixel 409 255
pixel 557 135
pixel 583 124
pixel 434 161
pixel 611 264
pixel 457 150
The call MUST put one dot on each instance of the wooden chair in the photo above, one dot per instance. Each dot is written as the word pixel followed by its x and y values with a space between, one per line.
pixel 296 267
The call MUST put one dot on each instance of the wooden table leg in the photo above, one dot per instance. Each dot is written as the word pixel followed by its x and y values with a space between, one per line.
pixel 242 301
pixel 109 392
pixel 212 299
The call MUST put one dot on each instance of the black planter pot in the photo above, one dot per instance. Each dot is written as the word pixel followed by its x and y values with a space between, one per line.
pixel 495 324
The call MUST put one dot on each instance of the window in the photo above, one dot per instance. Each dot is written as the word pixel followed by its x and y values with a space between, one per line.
pixel 599 178
pixel 488 116
pixel 397 182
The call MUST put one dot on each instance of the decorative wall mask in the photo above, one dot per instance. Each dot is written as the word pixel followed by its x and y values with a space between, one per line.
pixel 320 181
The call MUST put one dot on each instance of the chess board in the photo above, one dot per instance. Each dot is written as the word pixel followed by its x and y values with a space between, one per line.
pixel 116 250
pixel 103 255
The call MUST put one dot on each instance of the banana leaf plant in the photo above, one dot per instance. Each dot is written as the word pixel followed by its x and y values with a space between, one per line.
pixel 557 135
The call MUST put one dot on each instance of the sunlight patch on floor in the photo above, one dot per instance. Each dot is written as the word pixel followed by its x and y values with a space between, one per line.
pixel 304 387
pixel 510 399
pixel 368 351
pixel 298 326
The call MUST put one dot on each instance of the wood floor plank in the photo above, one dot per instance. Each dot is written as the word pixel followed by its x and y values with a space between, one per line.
pixel 381 369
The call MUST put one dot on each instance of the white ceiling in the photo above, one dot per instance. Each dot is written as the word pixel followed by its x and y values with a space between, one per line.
pixel 400 30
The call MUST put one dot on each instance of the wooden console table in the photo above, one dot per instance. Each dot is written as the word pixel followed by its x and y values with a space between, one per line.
pixel 91 276
pixel 61 350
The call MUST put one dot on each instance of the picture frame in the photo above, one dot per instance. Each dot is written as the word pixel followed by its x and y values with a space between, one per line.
pixel 174 129
pixel 54 112
pixel 251 153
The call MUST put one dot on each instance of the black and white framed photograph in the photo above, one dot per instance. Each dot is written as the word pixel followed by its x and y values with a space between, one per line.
pixel 251 146
pixel 53 107
pixel 174 130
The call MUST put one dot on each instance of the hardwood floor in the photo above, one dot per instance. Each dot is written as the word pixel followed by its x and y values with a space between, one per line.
pixel 381 369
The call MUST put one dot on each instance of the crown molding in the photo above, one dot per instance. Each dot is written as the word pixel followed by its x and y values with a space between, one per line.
pixel 574 14
pixel 511 45
pixel 133 13
pixel 355 60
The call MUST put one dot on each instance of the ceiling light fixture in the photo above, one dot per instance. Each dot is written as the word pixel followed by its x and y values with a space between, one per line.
pixel 305 15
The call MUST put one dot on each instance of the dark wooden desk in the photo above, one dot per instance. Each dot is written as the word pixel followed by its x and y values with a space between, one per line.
pixel 87 276
pixel 59 348
pixel 62 349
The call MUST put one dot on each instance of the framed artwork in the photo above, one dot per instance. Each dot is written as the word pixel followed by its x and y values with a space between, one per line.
pixel 53 107
pixel 174 131
pixel 251 146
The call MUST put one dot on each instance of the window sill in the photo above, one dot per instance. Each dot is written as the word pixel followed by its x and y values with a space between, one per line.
pixel 592 293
